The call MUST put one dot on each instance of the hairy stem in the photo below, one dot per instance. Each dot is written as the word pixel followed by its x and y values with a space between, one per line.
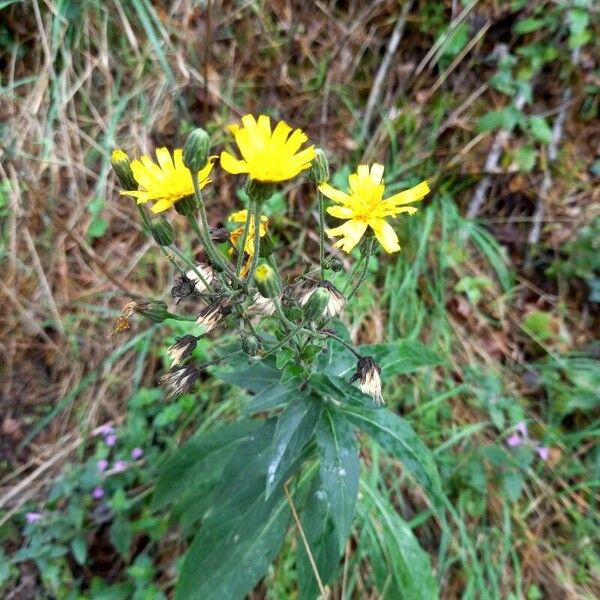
pixel 363 275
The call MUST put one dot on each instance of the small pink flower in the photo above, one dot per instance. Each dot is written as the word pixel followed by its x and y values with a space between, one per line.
pixel 102 464
pixel 97 492
pixel 33 517
pixel 514 440
pixel 521 427
pixel 137 453
pixel 119 466
pixel 543 452
pixel 110 440
pixel 105 430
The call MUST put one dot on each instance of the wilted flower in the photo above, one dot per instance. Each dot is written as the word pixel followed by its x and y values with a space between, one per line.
pixel 260 307
pixel 336 300
pixel 179 381
pixel 33 517
pixel 168 181
pixel 207 274
pixel 97 492
pixel 183 287
pixel 368 375
pixel 212 315
pixel 102 464
pixel 268 156
pixel 137 453
pixel 182 348
pixel 365 207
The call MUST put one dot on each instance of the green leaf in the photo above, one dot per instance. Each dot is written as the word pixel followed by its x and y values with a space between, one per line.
pixel 339 390
pixel 79 550
pixel 283 357
pixel 318 527
pixel 528 26
pixel 272 396
pixel 411 565
pixel 397 437
pixel 399 358
pixel 241 533
pixel 97 227
pixel 294 429
pixel 505 118
pixel 339 469
pixel 525 158
pixel 253 379
pixel 540 130
pixel 184 471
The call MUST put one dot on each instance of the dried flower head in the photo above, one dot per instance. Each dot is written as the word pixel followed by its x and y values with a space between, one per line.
pixel 168 181
pixel 182 348
pixel 260 307
pixel 194 277
pixel 182 288
pixel 213 314
pixel 336 300
pixel 365 207
pixel 179 381
pixel 368 375
pixel 268 156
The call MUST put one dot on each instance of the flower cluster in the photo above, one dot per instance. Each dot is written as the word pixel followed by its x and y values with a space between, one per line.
pixel 237 280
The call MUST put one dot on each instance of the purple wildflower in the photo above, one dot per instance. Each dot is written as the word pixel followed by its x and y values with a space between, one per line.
pixel 105 430
pixel 514 440
pixel 97 492
pixel 521 427
pixel 33 517
pixel 110 440
pixel 102 464
pixel 137 453
pixel 119 466
pixel 543 452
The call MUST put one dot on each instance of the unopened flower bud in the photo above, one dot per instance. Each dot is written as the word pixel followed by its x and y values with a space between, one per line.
pixel 259 191
pixel 182 348
pixel 335 299
pixel 319 169
pixel 155 310
pixel 315 307
pixel 186 206
pixel 250 345
pixel 162 231
pixel 195 151
pixel 335 264
pixel 122 167
pixel 368 375
pixel 267 281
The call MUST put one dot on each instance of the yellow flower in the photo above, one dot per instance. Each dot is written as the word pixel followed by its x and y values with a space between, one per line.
pixel 166 182
pixel 365 207
pixel 268 155
pixel 236 234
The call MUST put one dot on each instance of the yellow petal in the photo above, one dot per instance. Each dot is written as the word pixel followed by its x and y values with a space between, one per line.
pixel 239 216
pixel 233 165
pixel 386 235
pixel 340 212
pixel 163 156
pixel 333 194
pixel 161 206
pixel 351 232
pixel 411 195
pixel 376 173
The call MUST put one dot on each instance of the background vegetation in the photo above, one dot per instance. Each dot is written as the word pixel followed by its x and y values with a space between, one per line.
pixel 497 103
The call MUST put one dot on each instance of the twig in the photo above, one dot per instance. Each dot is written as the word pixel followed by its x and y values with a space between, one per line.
pixel 546 184
pixel 384 68
pixel 491 164
pixel 311 560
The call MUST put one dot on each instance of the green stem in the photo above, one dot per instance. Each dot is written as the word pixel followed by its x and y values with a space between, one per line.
pixel 203 233
pixel 333 336
pixel 284 341
pixel 363 275
pixel 321 233
pixel 171 315
pixel 255 256
pixel 241 247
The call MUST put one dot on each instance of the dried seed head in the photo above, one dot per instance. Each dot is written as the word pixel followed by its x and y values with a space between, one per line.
pixel 183 287
pixel 219 235
pixel 213 314
pixel 207 274
pixel 182 348
pixel 260 307
pixel 368 375
pixel 179 381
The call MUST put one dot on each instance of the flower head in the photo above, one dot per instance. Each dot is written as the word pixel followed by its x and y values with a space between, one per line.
pixel 166 182
pixel 212 315
pixel 182 348
pixel 33 517
pixel 514 440
pixel 207 274
pixel 102 464
pixel 368 375
pixel 240 217
pixel 364 206
pixel 97 492
pixel 268 155
pixel 335 299
pixel 110 440
pixel 119 466
pixel 179 381
pixel 137 453
pixel 543 452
